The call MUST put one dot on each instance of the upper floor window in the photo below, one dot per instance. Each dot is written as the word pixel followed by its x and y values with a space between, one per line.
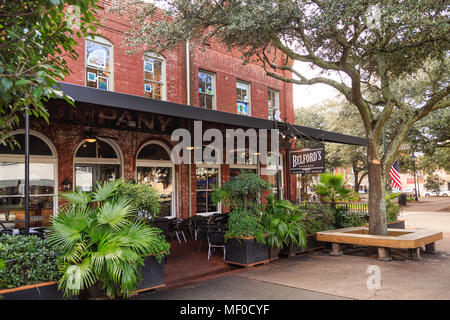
pixel 154 76
pixel 243 98
pixel 207 89
pixel 99 64
pixel 273 102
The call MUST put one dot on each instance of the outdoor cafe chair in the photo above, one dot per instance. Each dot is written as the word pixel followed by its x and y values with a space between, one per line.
pixel 177 225
pixel 216 240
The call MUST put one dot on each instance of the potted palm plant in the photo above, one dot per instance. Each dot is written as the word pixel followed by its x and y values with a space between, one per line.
pixel 283 221
pixel 103 244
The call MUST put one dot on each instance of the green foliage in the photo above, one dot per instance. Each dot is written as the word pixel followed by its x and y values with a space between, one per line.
pixel 392 211
pixel 244 223
pixel 143 198
pixel 35 40
pixel 241 192
pixel 434 183
pixel 283 221
pixel 317 218
pixel 332 187
pixel 26 260
pixel 393 56
pixel 102 243
pixel 346 219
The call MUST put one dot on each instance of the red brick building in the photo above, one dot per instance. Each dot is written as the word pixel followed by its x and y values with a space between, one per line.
pixel 127 107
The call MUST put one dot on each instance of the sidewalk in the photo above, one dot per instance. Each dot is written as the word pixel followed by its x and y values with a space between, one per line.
pixel 318 275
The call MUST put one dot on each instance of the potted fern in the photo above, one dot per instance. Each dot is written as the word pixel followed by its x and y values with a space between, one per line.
pixel 103 243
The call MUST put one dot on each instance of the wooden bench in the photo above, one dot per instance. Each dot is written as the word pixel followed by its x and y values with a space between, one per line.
pixel 412 240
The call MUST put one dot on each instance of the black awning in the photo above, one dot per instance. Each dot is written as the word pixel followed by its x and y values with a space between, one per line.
pixel 143 104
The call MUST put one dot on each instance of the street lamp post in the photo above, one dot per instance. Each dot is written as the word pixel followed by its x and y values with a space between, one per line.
pixel 413 157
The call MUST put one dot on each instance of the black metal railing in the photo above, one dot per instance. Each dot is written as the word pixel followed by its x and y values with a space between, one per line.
pixel 357 207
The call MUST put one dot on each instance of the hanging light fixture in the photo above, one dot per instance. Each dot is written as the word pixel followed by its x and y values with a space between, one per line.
pixel 90 139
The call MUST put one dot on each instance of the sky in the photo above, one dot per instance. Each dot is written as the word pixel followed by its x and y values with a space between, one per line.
pixel 306 96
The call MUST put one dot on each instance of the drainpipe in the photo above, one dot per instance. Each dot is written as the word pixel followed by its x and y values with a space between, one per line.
pixel 188 102
pixel 188 75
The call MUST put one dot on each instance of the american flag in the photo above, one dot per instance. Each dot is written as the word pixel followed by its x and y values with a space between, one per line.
pixel 395 176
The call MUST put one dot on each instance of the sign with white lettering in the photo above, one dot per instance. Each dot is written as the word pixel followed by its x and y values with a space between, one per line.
pixel 307 161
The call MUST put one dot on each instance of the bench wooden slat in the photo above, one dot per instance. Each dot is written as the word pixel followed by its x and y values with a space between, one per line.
pixel 412 239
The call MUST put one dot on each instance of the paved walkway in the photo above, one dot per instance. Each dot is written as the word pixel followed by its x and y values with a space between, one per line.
pixel 318 275
pixel 428 204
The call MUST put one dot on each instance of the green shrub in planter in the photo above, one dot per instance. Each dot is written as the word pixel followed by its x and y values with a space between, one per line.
pixel 317 218
pixel 144 199
pixel 284 225
pixel 242 192
pixel 26 260
pixel 347 219
pixel 245 224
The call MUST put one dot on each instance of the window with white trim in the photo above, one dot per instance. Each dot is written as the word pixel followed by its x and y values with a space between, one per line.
pixel 273 102
pixel 154 76
pixel 243 98
pixel 207 178
pixel 99 64
pixel 43 182
pixel 154 168
pixel 207 90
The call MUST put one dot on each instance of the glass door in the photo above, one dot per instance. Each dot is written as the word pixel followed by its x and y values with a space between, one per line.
pixel 87 175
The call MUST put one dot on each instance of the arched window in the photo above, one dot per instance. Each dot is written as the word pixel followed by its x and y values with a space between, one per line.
pixel 97 161
pixel 153 151
pixel 154 168
pixel 43 182
pixel 154 76
pixel 99 64
pixel 98 149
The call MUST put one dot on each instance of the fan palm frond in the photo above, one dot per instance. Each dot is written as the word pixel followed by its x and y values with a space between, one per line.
pixel 77 277
pixel 77 197
pixel 68 225
pixel 105 191
pixel 115 213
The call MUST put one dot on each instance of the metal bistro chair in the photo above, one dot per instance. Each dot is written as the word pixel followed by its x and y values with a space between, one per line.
pixel 177 225
pixel 164 225
pixel 201 231
pixel 216 240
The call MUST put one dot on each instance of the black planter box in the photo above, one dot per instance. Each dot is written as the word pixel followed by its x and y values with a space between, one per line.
pixel 246 252
pixel 152 273
pixel 311 244
pixel 37 292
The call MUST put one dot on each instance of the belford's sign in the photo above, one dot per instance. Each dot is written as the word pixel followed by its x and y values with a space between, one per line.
pixel 307 160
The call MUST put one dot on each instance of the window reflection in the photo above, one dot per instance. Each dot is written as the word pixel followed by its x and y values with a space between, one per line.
pixel 159 178
pixel 12 191
pixel 206 180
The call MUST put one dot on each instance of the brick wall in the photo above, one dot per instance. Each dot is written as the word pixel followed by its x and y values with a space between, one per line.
pixel 129 74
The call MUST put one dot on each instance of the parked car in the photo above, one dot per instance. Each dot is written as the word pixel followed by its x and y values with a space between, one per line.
pixel 409 192
pixel 442 193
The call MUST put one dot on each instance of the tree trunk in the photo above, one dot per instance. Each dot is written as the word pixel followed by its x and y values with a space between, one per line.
pixel 356 178
pixel 377 202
